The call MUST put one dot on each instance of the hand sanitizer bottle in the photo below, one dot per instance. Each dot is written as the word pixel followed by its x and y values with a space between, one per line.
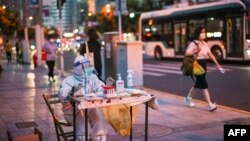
pixel 130 79
pixel 119 84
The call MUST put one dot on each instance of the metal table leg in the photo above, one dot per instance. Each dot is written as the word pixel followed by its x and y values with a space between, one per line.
pixel 146 121
pixel 131 129
pixel 74 121
pixel 86 124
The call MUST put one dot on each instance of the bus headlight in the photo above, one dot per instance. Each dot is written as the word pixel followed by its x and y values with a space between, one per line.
pixel 248 52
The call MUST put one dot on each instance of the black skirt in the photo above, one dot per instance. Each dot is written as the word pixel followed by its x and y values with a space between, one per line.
pixel 200 80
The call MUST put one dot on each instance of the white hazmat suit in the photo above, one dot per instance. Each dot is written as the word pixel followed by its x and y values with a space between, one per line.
pixel 84 82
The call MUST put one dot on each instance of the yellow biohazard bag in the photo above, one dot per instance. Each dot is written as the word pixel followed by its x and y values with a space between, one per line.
pixel 119 118
pixel 198 69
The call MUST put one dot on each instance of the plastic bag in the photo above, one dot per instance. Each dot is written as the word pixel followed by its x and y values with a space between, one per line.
pixel 197 69
pixel 119 118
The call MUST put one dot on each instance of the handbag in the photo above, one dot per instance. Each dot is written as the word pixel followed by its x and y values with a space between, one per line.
pixel 89 55
pixel 191 67
pixel 44 56
pixel 187 65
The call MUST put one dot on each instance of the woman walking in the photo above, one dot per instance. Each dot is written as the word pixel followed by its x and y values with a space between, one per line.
pixel 50 47
pixel 201 51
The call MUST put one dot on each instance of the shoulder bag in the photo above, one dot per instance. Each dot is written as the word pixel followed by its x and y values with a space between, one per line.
pixel 190 66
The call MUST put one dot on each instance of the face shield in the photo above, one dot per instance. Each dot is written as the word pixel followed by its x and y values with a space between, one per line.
pixel 83 68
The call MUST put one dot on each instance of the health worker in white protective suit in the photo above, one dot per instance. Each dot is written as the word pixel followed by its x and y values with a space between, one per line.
pixel 83 81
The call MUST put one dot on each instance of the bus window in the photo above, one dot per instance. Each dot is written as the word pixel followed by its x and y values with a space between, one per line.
pixel 159 29
pixel 146 32
pixel 214 27
pixel 168 34
pixel 167 28
pixel 193 24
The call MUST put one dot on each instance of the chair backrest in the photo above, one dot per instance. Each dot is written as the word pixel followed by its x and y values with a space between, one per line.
pixel 53 100
pixel 37 136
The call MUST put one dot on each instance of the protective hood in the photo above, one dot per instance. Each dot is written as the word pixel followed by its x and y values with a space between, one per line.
pixel 80 69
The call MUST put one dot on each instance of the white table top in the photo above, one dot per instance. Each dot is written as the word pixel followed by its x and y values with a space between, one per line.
pixel 96 101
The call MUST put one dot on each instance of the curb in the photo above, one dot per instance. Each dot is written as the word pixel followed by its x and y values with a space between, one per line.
pixel 198 101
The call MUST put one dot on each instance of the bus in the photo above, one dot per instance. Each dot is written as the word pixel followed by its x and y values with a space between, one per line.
pixel 166 33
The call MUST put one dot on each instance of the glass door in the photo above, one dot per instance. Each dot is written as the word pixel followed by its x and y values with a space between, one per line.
pixel 180 37
pixel 234 40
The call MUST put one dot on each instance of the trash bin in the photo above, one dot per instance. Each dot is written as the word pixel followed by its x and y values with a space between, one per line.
pixel 110 51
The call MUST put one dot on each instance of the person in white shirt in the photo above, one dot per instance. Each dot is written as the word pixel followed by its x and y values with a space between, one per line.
pixel 83 81
pixel 199 48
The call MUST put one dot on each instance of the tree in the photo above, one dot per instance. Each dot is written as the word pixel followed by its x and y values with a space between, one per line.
pixel 9 21
pixel 106 19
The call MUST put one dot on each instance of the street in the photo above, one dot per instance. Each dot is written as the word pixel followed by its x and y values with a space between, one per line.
pixel 229 89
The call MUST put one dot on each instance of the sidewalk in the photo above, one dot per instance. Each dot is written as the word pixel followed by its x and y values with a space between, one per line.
pixel 21 90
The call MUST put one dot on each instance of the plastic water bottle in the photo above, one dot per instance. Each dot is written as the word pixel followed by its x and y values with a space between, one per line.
pixel 130 79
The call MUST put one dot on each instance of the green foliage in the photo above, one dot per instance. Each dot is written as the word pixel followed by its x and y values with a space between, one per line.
pixel 9 22
pixel 106 24
pixel 31 33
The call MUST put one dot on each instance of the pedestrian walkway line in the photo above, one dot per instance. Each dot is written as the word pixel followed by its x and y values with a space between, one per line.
pixel 152 73
pixel 177 67
pixel 196 100
pixel 162 70
pixel 161 66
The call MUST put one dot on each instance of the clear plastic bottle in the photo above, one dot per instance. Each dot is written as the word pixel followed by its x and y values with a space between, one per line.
pixel 130 79
pixel 119 84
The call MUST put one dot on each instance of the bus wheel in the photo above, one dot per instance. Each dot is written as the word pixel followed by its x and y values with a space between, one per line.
pixel 158 53
pixel 217 54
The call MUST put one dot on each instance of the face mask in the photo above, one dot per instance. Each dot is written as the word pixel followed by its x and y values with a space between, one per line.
pixel 88 71
pixel 203 36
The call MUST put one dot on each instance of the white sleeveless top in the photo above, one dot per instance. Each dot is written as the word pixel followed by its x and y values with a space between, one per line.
pixel 203 54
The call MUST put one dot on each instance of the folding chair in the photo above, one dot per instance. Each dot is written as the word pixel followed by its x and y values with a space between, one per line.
pixel 37 136
pixel 59 125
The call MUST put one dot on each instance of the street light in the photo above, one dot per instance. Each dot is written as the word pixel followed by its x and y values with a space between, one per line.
pixel 132 15
pixel 90 14
pixel 30 18
pixel 107 9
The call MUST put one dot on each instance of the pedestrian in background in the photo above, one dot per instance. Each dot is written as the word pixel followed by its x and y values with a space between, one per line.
pixel 95 47
pixel 8 49
pixel 18 46
pixel 50 47
pixel 200 49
